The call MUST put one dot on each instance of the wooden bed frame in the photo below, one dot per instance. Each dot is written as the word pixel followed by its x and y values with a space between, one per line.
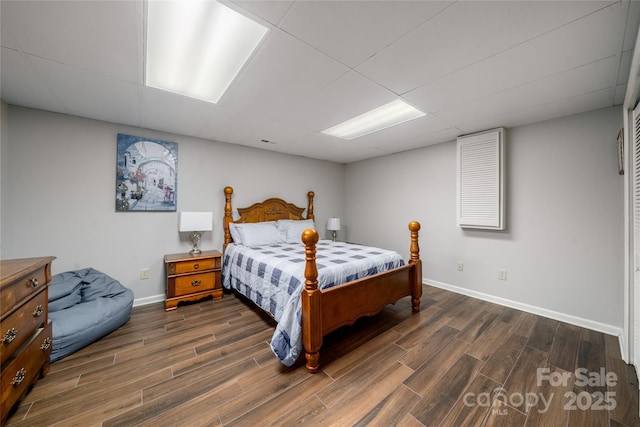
pixel 324 311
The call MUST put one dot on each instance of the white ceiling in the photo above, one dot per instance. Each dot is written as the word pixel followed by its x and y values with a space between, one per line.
pixel 470 65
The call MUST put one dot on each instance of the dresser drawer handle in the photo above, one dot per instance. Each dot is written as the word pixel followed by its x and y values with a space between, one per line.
pixel 38 311
pixel 9 336
pixel 46 344
pixel 33 282
pixel 19 377
pixel 196 266
pixel 196 283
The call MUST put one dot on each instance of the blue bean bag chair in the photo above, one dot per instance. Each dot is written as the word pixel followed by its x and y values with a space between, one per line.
pixel 85 305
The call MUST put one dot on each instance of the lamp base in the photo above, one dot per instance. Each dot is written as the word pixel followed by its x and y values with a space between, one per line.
pixel 195 239
pixel 333 233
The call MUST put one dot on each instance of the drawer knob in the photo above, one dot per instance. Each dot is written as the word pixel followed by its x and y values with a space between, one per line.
pixel 19 377
pixel 38 311
pixel 46 344
pixel 9 336
pixel 196 283
pixel 33 282
pixel 196 266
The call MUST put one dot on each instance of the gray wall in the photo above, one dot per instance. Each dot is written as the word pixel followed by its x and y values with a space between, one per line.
pixel 58 195
pixel 4 138
pixel 563 247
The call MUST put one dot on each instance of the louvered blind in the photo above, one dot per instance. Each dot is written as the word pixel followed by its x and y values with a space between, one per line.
pixel 635 345
pixel 480 182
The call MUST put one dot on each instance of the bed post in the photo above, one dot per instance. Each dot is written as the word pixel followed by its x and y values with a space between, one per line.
pixel 310 195
pixel 311 304
pixel 416 292
pixel 228 216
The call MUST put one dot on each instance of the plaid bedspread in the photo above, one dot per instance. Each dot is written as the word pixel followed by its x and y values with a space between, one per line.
pixel 273 278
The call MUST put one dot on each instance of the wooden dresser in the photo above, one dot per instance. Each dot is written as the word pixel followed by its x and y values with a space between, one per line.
pixel 193 277
pixel 24 327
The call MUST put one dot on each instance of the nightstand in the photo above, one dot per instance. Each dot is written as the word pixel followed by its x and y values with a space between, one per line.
pixel 192 277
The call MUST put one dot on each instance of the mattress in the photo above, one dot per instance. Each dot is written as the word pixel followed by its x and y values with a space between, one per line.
pixel 273 278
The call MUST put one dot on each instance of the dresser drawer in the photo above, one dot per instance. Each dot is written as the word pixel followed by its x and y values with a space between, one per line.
pixel 31 361
pixel 18 327
pixel 23 288
pixel 194 283
pixel 193 266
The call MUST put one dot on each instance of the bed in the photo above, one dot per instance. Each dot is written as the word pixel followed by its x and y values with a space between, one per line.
pixel 278 271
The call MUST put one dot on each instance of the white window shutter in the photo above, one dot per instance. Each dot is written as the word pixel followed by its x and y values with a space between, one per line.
pixel 480 180
pixel 635 299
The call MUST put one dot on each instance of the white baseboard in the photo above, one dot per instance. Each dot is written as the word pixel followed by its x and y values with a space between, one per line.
pixel 148 300
pixel 563 317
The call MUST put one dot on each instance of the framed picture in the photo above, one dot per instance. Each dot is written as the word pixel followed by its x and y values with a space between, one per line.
pixel 146 174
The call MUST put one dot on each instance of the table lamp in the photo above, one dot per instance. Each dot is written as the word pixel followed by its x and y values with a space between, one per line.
pixel 334 225
pixel 196 223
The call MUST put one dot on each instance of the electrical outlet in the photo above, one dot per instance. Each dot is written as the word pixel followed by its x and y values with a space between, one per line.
pixel 460 266
pixel 144 273
pixel 502 274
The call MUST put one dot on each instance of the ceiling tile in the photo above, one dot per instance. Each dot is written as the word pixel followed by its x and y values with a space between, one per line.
pixel 171 112
pixel 631 26
pixel 282 73
pixel 21 85
pixel 6 40
pixel 405 131
pixel 347 97
pixel 100 36
pixel 228 125
pixel 463 34
pixel 418 141
pixel 91 95
pixel 560 86
pixel 535 59
pixel 620 93
pixel 325 147
pixel 276 132
pixel 550 110
pixel 625 67
pixel 271 11
pixel 353 31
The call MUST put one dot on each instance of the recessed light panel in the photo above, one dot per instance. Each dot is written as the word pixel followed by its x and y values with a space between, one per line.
pixel 196 48
pixel 383 117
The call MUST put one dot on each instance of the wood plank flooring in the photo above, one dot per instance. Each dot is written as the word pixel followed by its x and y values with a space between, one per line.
pixel 459 362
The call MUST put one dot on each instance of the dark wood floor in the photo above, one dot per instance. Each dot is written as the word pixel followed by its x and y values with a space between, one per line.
pixel 459 362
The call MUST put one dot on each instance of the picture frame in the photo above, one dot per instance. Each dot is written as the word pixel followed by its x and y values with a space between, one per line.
pixel 146 175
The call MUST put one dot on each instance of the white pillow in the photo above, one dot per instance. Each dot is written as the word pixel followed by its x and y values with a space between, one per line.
pixel 234 233
pixel 292 229
pixel 259 234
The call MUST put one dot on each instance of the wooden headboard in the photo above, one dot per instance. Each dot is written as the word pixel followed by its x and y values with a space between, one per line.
pixel 269 210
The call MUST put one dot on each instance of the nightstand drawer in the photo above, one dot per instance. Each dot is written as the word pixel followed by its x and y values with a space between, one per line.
pixel 194 283
pixel 192 277
pixel 193 266
pixel 18 327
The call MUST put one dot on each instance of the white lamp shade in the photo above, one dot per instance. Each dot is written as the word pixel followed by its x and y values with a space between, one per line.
pixel 333 224
pixel 196 221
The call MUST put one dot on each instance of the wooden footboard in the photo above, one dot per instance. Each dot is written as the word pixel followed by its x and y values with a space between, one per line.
pixel 326 311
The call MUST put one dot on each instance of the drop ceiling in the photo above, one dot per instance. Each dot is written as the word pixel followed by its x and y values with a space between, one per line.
pixel 470 65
